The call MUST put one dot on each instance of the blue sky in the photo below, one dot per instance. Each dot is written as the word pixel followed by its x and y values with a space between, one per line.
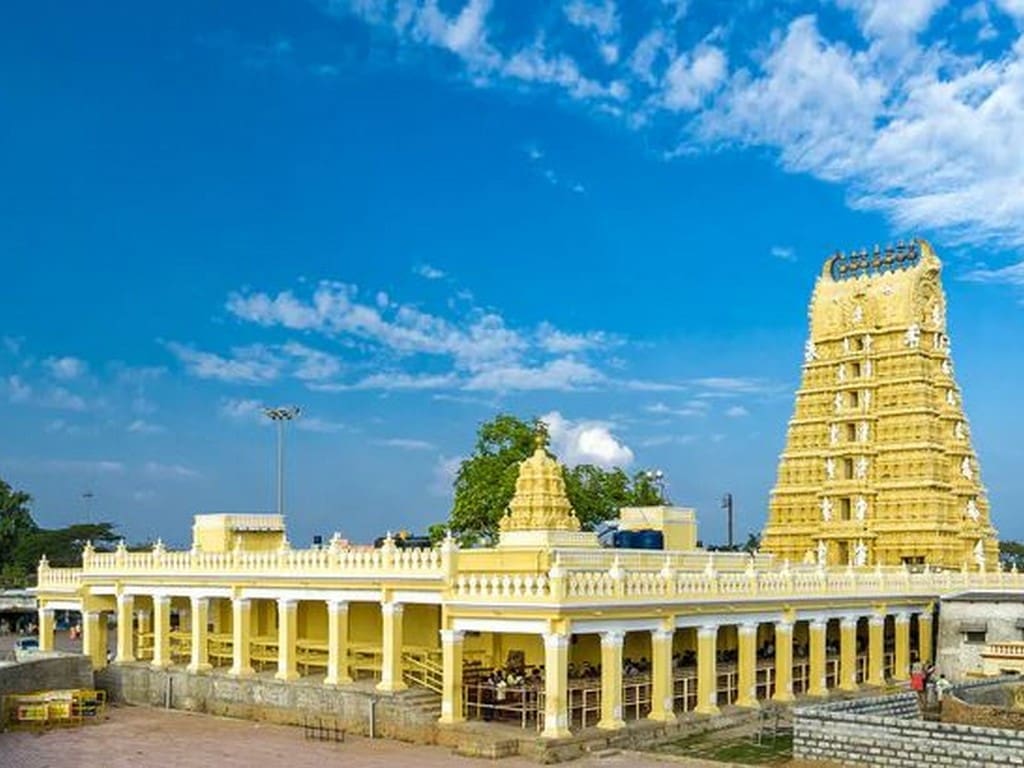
pixel 408 216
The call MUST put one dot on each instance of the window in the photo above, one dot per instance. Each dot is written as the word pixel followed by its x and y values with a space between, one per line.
pixel 844 509
pixel 858 344
pixel 855 370
pixel 851 432
pixel 975 636
pixel 847 469
pixel 853 398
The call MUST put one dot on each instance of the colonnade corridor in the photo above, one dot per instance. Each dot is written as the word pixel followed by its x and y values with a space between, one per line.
pixel 334 642
pixel 560 682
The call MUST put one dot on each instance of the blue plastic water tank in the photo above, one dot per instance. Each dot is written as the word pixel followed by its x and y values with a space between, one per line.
pixel 648 540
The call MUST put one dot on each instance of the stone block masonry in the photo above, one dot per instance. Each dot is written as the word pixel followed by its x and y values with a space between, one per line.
pixel 46 673
pixel 266 699
pixel 889 731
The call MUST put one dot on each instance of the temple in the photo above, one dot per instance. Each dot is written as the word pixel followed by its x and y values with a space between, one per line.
pixel 552 632
pixel 878 466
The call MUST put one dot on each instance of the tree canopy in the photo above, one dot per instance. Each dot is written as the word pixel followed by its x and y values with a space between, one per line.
pixel 23 542
pixel 486 482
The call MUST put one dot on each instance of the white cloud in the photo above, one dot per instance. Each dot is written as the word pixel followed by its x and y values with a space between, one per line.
pixel 1009 275
pixel 562 374
pixel 70 466
pixel 65 368
pixel 692 76
pixel 17 390
pixel 254 364
pixel 688 409
pixel 428 272
pixel 783 252
pixel 729 386
pixel 586 442
pixel 560 342
pixel 143 427
pixel 12 344
pixel 600 18
pixel 312 364
pixel 405 443
pixel 317 424
pixel 241 409
pixel 889 19
pixel 445 471
pixel 171 471
pixel 737 411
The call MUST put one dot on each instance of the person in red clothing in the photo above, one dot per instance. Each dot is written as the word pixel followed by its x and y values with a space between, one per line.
pixel 917 682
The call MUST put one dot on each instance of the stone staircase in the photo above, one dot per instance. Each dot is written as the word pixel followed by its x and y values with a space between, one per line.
pixel 423 703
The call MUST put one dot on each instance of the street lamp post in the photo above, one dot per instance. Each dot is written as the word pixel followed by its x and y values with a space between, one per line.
pixel 727 506
pixel 280 415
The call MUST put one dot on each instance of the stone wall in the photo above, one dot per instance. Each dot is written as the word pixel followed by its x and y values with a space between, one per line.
pixel 258 698
pixel 888 731
pixel 989 703
pixel 46 673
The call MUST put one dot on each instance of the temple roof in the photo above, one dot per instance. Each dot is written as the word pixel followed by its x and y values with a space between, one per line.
pixel 540 502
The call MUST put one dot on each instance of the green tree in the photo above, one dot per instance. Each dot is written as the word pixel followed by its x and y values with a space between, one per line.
pixel 486 482
pixel 15 522
pixel 1012 553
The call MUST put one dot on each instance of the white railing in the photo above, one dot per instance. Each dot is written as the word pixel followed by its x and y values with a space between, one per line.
pixel 59 579
pixel 1006 650
pixel 387 560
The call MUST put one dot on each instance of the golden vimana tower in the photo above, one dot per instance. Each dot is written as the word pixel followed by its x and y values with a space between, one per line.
pixel 878 466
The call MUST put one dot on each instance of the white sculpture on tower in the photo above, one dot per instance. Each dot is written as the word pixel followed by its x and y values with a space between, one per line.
pixel 810 351
pixel 860 509
pixel 966 469
pixel 826 509
pixel 822 553
pixel 833 434
pixel 972 510
pixel 950 397
pixel 830 468
pixel 867 342
pixel 860 554
pixel 958 430
pixel 861 470
pixel 862 432
pixel 858 314
pixel 841 372
pixel 839 401
pixel 979 554
pixel 913 336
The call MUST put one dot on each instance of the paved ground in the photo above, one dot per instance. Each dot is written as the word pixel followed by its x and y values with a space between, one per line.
pixel 140 737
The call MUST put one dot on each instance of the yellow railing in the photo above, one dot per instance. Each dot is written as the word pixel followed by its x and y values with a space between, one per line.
pixel 418 669
pixel 59 579
pixel 1007 650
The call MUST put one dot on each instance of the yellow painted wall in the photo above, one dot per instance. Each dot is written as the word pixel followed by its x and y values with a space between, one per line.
pixel 312 620
pixel 364 623
pixel 422 626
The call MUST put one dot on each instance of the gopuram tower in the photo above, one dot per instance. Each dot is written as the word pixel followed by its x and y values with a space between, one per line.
pixel 878 466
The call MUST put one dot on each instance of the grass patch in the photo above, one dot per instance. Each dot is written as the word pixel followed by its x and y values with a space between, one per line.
pixel 742 750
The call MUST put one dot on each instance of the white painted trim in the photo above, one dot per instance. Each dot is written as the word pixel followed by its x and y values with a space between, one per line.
pixel 64 605
pixel 520 626
pixel 417 597
pixel 587 626
pixel 144 591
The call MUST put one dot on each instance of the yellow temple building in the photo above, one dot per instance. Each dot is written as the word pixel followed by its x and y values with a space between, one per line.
pixel 878 465
pixel 550 631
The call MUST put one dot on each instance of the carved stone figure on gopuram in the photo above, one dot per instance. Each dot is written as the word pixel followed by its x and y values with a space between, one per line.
pixel 878 465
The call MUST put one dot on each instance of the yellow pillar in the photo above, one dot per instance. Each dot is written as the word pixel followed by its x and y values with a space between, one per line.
pixel 783 661
pixel 125 647
pixel 661 676
pixel 94 639
pixel 391 668
pixel 901 667
pixel 707 671
pixel 876 649
pixel 746 666
pixel 46 626
pixel 556 686
pixel 816 685
pixel 144 625
pixel 924 636
pixel 200 661
pixel 337 643
pixel 611 681
pixel 161 631
pixel 241 629
pixel 848 654
pixel 287 636
pixel 451 688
